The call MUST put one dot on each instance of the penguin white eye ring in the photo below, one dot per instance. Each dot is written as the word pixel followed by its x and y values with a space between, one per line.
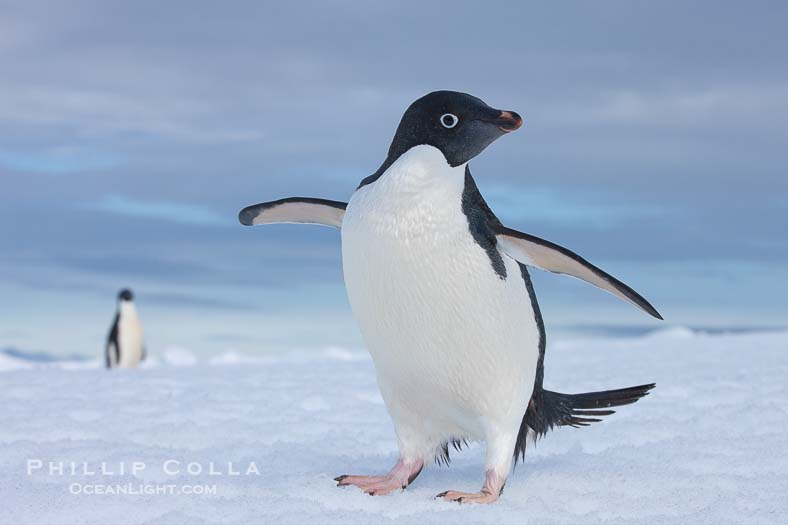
pixel 449 120
pixel 441 292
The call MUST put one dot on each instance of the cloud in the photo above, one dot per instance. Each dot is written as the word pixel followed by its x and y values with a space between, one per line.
pixel 57 161
pixel 692 106
pixel 642 144
pixel 563 208
pixel 93 112
pixel 170 299
pixel 162 210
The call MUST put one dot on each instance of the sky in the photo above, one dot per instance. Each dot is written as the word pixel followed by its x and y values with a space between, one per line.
pixel 131 133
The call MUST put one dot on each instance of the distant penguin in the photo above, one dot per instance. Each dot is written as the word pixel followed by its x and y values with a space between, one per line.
pixel 125 345
pixel 445 304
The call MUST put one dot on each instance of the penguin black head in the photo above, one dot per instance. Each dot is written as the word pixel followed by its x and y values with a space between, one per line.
pixel 458 124
pixel 125 295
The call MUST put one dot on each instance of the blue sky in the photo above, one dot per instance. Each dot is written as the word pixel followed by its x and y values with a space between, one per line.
pixel 132 133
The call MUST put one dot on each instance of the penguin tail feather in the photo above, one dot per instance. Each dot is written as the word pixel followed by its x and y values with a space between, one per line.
pixel 553 409
pixel 580 410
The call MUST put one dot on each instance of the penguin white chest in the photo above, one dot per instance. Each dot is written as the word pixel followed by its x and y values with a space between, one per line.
pixel 455 345
pixel 130 337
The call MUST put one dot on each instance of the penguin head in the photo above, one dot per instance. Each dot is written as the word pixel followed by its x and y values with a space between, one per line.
pixel 460 125
pixel 125 295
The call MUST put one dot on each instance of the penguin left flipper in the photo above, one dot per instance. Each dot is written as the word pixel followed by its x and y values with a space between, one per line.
pixel 545 255
pixel 305 210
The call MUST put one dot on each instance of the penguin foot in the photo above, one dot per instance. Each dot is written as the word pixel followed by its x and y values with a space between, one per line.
pixel 483 496
pixel 491 491
pixel 358 481
pixel 372 485
pixel 398 478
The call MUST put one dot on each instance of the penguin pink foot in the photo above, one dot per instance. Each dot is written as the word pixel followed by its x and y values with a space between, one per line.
pixel 358 481
pixel 401 475
pixel 493 486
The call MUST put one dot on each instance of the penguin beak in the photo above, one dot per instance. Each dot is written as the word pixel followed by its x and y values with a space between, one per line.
pixel 508 121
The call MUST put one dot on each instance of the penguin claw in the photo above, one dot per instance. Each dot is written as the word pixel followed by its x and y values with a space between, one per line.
pixel 339 479
pixel 442 494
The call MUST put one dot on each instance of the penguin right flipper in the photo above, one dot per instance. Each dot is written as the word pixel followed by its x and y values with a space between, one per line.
pixel 545 255
pixel 304 210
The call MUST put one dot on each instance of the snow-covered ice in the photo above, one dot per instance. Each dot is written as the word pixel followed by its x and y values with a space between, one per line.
pixel 708 446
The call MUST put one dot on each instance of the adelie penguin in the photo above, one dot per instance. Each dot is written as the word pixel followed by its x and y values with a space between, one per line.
pixel 441 291
pixel 125 345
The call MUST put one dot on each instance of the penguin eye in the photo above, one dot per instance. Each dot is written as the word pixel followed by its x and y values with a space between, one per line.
pixel 448 120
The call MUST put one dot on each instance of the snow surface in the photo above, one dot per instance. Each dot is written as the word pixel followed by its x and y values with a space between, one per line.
pixel 708 446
